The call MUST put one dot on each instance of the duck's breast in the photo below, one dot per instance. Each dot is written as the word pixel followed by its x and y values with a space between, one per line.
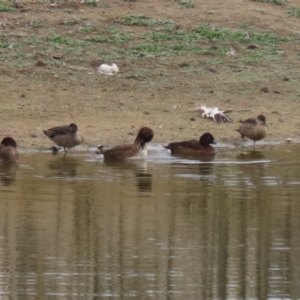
pixel 9 153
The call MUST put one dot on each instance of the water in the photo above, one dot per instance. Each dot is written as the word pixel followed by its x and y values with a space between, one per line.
pixel 168 228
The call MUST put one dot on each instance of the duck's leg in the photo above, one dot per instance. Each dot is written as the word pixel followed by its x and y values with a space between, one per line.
pixel 65 150
pixel 254 145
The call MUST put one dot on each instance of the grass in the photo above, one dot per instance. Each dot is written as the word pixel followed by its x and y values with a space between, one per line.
pixel 278 2
pixel 295 12
pixel 141 20
pixel 80 42
pixel 6 8
pixel 35 24
pixel 224 34
pixel 185 3
pixel 95 3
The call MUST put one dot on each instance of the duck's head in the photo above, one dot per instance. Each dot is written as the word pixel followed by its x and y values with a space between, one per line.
pixel 144 136
pixel 206 139
pixel 73 127
pixel 262 120
pixel 9 141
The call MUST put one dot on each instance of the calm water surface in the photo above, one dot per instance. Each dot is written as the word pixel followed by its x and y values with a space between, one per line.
pixel 168 228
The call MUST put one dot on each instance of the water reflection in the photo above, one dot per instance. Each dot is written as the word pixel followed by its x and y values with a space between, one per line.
pixel 80 228
pixel 64 166
pixel 139 168
pixel 250 155
pixel 8 171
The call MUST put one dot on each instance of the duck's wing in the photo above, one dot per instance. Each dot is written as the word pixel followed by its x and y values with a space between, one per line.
pixel 120 152
pixel 246 126
pixel 191 144
pixel 226 118
pixel 60 130
pixel 250 121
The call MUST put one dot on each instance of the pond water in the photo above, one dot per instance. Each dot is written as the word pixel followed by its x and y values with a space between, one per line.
pixel 165 228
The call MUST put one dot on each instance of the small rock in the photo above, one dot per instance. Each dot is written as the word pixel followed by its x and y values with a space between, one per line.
pixel 192 119
pixel 265 90
pixel 252 46
pixel 285 79
pixel 40 64
pixel 56 56
pixel 33 135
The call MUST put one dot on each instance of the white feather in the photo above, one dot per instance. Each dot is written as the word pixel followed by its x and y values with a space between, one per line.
pixel 213 113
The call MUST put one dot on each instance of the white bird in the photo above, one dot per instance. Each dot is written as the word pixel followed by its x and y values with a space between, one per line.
pixel 108 69
pixel 214 113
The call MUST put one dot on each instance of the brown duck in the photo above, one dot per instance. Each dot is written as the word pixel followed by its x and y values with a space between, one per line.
pixel 8 149
pixel 67 136
pixel 254 129
pixel 194 147
pixel 138 148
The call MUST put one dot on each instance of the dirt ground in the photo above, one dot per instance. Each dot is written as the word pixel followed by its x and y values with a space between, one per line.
pixel 46 85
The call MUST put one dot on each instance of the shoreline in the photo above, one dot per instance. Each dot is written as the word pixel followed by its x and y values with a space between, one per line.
pixel 247 145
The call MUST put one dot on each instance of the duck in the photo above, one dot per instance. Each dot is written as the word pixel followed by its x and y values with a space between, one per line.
pixel 137 149
pixel 194 147
pixel 66 136
pixel 8 150
pixel 254 128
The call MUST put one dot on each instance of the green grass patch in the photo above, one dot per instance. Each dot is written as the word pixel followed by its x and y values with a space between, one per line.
pixel 111 35
pixel 35 24
pixel 4 45
pixel 214 34
pixel 185 3
pixel 223 34
pixel 6 8
pixel 278 2
pixel 141 20
pixel 57 39
pixel 156 50
pixel 293 11
pixel 95 3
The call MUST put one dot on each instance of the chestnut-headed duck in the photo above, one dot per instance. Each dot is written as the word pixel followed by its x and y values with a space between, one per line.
pixel 67 136
pixel 254 129
pixel 8 149
pixel 138 148
pixel 194 147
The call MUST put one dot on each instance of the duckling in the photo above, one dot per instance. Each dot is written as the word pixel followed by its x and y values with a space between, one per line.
pixel 194 147
pixel 66 136
pixel 138 148
pixel 8 149
pixel 254 129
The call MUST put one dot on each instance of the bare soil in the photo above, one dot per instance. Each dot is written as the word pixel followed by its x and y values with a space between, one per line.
pixel 43 87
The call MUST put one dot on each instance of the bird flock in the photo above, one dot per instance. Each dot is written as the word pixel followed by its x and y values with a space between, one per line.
pixel 68 136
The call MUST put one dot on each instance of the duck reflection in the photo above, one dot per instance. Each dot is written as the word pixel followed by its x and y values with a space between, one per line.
pixel 66 166
pixel 250 155
pixel 8 171
pixel 205 169
pixel 139 167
